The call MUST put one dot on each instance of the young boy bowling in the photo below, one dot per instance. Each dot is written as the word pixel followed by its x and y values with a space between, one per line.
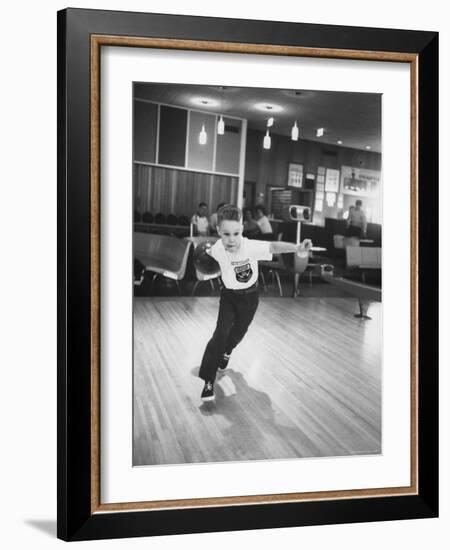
pixel 238 258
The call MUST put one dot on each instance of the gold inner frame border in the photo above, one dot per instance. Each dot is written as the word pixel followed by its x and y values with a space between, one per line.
pixel 97 41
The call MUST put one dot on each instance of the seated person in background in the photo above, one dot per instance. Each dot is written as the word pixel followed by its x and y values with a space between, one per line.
pixel 251 228
pixel 200 221
pixel 262 220
pixel 356 221
pixel 213 219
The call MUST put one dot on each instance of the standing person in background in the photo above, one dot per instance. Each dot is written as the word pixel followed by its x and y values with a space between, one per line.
pixel 356 222
pixel 199 220
pixel 262 220
pixel 213 219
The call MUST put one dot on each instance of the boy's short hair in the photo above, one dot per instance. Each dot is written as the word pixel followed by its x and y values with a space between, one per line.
pixel 200 204
pixel 229 212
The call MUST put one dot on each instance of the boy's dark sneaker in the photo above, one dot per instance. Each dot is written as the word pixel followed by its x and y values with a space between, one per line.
pixel 223 361
pixel 208 392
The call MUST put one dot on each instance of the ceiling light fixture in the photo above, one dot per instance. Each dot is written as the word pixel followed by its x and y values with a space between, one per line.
pixel 339 142
pixel 270 122
pixel 319 132
pixel 267 140
pixel 204 102
pixel 266 107
pixel 221 126
pixel 294 132
pixel 202 137
pixel 221 123
pixel 368 147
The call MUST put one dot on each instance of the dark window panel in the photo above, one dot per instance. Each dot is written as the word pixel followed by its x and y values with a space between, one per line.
pixel 145 118
pixel 172 136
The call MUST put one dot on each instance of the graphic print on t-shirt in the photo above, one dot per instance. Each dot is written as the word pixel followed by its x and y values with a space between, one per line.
pixel 243 272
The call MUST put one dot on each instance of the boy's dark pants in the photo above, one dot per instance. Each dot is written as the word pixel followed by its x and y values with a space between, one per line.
pixel 236 312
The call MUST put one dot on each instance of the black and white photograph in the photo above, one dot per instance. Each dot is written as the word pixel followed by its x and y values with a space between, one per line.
pixel 257 274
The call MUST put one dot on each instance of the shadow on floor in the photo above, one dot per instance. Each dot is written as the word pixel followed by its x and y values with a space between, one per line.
pixel 46 526
pixel 242 427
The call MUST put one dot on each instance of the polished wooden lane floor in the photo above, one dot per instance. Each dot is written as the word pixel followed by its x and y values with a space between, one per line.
pixel 304 382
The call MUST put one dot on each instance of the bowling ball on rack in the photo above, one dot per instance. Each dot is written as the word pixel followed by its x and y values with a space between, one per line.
pixel 205 263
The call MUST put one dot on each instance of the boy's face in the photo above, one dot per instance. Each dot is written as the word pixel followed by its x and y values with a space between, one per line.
pixel 202 211
pixel 230 231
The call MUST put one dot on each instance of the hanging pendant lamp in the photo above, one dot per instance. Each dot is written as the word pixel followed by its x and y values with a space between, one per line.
pixel 267 140
pixel 202 137
pixel 221 126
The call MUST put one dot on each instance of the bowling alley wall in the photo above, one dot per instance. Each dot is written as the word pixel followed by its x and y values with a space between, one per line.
pixel 173 172
pixel 268 170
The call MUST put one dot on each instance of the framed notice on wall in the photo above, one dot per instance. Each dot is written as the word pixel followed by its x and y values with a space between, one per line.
pixel 295 175
pixel 332 180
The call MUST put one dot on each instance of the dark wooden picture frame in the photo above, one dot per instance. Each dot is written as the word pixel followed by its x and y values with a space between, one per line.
pixel 81 35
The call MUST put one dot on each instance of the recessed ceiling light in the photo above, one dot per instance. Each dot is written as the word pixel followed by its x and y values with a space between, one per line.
pixel 270 122
pixel 368 147
pixel 339 142
pixel 266 107
pixel 319 132
pixel 204 102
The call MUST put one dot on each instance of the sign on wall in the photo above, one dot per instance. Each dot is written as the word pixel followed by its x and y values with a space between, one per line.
pixel 295 175
pixel 332 180
pixel 360 181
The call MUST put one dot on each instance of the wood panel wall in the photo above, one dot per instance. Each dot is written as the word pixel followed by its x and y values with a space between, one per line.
pixel 179 192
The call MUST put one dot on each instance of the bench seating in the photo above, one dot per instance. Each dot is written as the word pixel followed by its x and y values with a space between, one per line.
pixel 363 258
pixel 365 294
pixel 163 255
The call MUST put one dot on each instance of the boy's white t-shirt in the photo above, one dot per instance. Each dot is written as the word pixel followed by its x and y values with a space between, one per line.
pixel 240 269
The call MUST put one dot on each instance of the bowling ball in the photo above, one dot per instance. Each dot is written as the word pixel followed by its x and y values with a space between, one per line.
pixel 205 263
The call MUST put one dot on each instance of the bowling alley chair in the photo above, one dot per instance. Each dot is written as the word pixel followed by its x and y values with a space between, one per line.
pixel 300 266
pixel 139 272
pixel 273 267
pixel 162 255
pixel 202 277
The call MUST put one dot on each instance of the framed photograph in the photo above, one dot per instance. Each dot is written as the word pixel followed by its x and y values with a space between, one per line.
pixel 215 371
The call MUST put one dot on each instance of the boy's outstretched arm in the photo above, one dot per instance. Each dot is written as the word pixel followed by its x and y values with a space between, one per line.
pixel 281 247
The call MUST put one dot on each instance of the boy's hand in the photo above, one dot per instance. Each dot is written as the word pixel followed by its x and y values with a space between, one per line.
pixel 307 244
pixel 303 248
